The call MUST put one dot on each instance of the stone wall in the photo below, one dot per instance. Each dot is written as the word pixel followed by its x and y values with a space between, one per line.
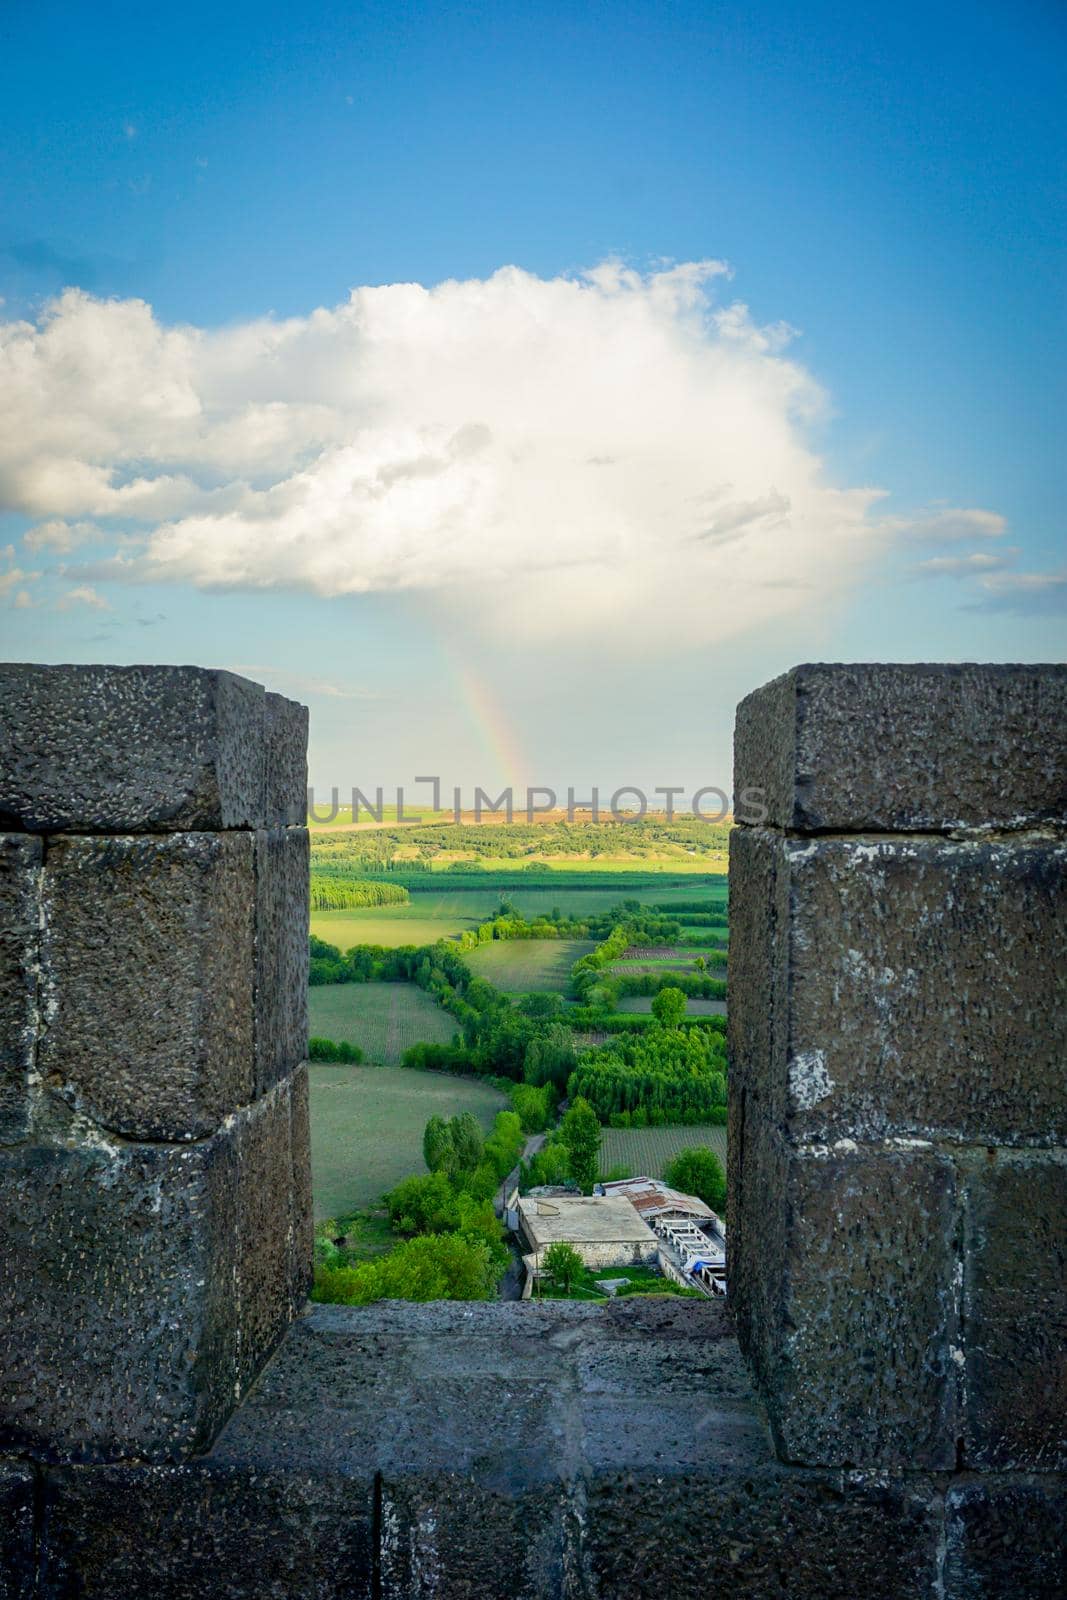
pixel 176 1422
pixel 153 1097
pixel 898 1043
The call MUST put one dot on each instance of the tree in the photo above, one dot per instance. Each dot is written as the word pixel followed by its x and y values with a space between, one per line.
pixel 698 1171
pixel 580 1132
pixel 563 1264
pixel 438 1151
pixel 668 1007
pixel 466 1141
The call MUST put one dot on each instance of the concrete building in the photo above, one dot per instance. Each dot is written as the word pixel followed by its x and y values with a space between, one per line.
pixel 605 1230
pixel 692 1239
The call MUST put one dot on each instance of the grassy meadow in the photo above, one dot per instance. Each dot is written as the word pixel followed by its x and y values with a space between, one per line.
pixel 526 966
pixel 367 1124
pixel 384 1019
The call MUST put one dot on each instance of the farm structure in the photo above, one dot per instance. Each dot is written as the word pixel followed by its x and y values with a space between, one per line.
pixel 605 1230
pixel 692 1238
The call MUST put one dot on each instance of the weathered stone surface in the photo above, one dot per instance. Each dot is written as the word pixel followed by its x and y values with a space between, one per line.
pixel 287 771
pixel 1006 1537
pixel 247 1531
pixel 890 987
pixel 116 1298
pixel 445 1538
pixel 136 749
pixel 265 1279
pixel 1015 1311
pixel 140 1284
pixel 852 1342
pixel 20 868
pixel 16 1531
pixel 147 980
pixel 895 748
pixel 281 987
pixel 303 1223
pixel 757 1532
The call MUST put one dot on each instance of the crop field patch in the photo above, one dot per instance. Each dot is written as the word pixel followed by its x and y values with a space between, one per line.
pixel 694 1007
pixel 384 1019
pixel 646 1151
pixel 524 966
pixel 367 1125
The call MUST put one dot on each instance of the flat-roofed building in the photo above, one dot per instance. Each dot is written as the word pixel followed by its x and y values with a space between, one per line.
pixel 605 1230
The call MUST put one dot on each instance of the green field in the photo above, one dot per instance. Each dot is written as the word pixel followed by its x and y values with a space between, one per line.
pixel 432 916
pixel 384 1019
pixel 646 1151
pixel 367 1125
pixel 522 966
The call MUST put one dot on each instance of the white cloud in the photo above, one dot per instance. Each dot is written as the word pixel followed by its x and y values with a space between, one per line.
pixel 59 535
pixel 545 456
pixel 14 576
pixel 83 595
pixel 968 566
pixel 948 525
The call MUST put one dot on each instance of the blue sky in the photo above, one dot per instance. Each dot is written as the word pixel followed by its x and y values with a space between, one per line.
pixel 496 569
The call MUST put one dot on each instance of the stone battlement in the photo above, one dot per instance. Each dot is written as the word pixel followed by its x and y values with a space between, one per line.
pixel 878 1411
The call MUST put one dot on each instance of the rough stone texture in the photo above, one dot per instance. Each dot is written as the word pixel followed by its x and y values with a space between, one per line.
pixel 206 1532
pixel 890 987
pixel 20 866
pixel 137 749
pixel 16 1531
pixel 116 1298
pixel 287 770
pixel 1015 1312
pixel 282 919
pixel 1005 1538
pixel 759 1533
pixel 894 748
pixel 854 1357
pixel 383 1455
pixel 303 1216
pixel 148 980
pixel 134 1293
pixel 264 1265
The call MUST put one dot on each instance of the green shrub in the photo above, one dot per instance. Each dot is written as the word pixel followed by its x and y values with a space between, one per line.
pixel 334 1050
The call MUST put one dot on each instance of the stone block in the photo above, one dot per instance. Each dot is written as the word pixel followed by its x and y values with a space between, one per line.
pixel 17 1553
pixel 448 1538
pixel 244 1531
pixel 140 1284
pixel 847 748
pixel 287 771
pixel 1015 1312
pixel 901 988
pixel 1005 1538
pixel 136 749
pixel 853 1341
pixel 20 871
pixel 147 980
pixel 117 1298
pixel 264 1264
pixel 303 1231
pixel 281 984
pixel 758 1532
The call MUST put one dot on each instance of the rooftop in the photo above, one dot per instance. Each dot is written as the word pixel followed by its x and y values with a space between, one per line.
pixel 582 1219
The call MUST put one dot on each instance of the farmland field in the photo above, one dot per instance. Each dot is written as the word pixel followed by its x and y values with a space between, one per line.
pixel 520 966
pixel 384 1019
pixel 646 1151
pixel 434 915
pixel 367 1125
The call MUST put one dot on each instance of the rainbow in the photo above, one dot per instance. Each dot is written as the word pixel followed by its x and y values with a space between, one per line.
pixel 495 733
